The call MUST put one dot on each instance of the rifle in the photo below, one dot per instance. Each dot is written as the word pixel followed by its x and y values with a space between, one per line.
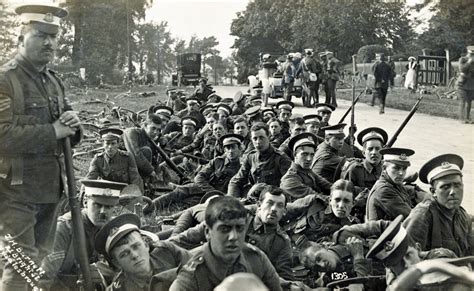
pixel 79 238
pixel 201 159
pixel 404 123
pixel 354 102
pixel 167 159
pixel 352 128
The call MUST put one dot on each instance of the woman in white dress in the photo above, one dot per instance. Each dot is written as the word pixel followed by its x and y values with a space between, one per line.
pixel 410 78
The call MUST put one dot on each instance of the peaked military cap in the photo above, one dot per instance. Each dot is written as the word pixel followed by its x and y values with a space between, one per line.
pixel 210 194
pixel 303 139
pixel 238 96
pixel 114 230
pixel 294 116
pixel 322 54
pixel 241 281
pixel 255 98
pixel 213 94
pixel 110 133
pixel 189 120
pixel 192 99
pixel 252 111
pixel 392 244
pixel 308 51
pixel 207 108
pixel 470 49
pixel 103 191
pixel 46 17
pixel 324 107
pixel 441 166
pixel 312 118
pixel 372 133
pixel 397 155
pixel 227 100
pixel 225 107
pixel 171 90
pixel 337 129
pixel 163 110
pixel 287 105
pixel 268 110
pixel 231 138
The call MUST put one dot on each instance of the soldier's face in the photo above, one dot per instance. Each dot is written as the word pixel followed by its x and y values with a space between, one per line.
pixel 232 151
pixel 193 106
pixel 396 172
pixel 341 203
pixel 188 130
pixel 284 115
pixel 325 259
pixel 38 46
pixel 297 129
pixel 241 128
pixel 411 257
pixel 260 140
pixel 312 127
pixel 152 129
pixel 218 130
pixel 372 151
pixel 272 208
pixel 336 141
pixel 132 255
pixel 111 147
pixel 304 156
pixel 449 191
pixel 226 238
pixel 325 116
pixel 210 122
pixel 164 120
pixel 99 214
pixel 275 128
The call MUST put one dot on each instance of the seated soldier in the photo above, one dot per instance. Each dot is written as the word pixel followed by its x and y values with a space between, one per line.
pixel 263 231
pixel 300 181
pixel 267 114
pixel 262 165
pixel 241 127
pixel 276 138
pixel 114 164
pixel 285 109
pixel 192 109
pixel 313 123
pixel 441 221
pixel 325 111
pixel 226 252
pixel 239 104
pixel 388 198
pixel 214 176
pixel 253 115
pixel 312 218
pixel 177 140
pixel 211 147
pixel 297 126
pixel 225 112
pixel 62 269
pixel 137 256
pixel 164 112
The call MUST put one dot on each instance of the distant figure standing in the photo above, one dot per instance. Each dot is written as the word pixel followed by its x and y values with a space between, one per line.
pixel 410 78
pixel 333 71
pixel 465 84
pixel 288 76
pixel 382 74
pixel 391 63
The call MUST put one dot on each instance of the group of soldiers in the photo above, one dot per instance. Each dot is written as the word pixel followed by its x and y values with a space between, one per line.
pixel 284 202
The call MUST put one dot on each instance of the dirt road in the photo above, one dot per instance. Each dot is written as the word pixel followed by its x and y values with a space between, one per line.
pixel 427 135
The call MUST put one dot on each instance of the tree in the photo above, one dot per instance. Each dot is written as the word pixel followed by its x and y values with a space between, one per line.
pixel 7 35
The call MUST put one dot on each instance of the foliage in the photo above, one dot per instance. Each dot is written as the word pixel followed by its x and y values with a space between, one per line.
pixel 367 53
pixel 7 35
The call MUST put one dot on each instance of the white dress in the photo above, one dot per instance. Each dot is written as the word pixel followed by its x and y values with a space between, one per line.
pixel 410 78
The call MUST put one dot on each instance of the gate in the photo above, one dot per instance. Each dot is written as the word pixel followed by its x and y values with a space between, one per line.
pixel 432 70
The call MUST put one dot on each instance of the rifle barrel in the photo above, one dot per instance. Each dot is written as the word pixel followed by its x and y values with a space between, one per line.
pixel 404 123
pixel 350 108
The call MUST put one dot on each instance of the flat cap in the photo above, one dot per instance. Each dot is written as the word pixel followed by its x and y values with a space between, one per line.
pixel 392 244
pixel 46 17
pixel 110 133
pixel 103 191
pixel 441 166
pixel 287 105
pixel 337 129
pixel 303 139
pixel 372 133
pixel 397 155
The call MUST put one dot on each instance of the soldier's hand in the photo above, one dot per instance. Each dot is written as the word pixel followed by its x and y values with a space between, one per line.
pixel 70 118
pixel 62 130
pixel 356 247
pixel 96 277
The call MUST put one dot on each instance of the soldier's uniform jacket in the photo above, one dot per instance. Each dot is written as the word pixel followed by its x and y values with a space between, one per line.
pixel 465 80
pixel 189 218
pixel 431 225
pixel 135 139
pixel 202 94
pixel 387 200
pixel 285 129
pixel 362 174
pixel 198 115
pixel 326 160
pixel 270 239
pixel 333 69
pixel 31 158
pixel 316 222
pixel 205 271
pixel 277 140
pixel 216 174
pixel 120 168
pixel 299 182
pixel 284 147
pixel 163 256
pixel 382 74
pixel 206 143
pixel 176 140
pixel 310 65
pixel 266 167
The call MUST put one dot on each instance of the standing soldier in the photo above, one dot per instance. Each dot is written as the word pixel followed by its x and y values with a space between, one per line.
pixel 333 72
pixel 288 76
pixel 391 63
pixel 113 164
pixel 311 70
pixel 32 129
pixel 465 84
pixel 382 74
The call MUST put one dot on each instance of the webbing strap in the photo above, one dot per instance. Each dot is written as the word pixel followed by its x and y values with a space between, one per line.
pixel 18 109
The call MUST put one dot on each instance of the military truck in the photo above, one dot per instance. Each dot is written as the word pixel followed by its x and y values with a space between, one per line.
pixel 188 70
